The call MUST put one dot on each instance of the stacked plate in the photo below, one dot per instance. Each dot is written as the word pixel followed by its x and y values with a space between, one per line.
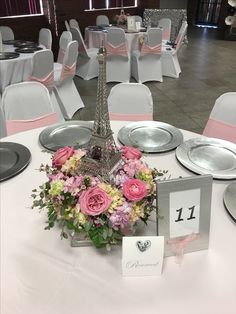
pixel 8 55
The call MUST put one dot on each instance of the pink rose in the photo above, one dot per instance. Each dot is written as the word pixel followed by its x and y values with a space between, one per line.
pixel 134 189
pixel 94 201
pixel 131 152
pixel 62 155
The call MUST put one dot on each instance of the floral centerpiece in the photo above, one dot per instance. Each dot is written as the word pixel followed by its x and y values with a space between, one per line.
pixel 121 19
pixel 87 204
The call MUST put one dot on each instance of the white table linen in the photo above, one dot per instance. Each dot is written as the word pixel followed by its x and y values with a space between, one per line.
pixel 42 274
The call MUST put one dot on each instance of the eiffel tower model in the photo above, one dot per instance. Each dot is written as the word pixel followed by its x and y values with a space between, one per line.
pixel 103 157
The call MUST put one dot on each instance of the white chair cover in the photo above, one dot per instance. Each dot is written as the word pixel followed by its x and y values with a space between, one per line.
pixel 65 90
pixel 67 26
pixel 169 58
pixel 3 130
pixel 45 38
pixel 87 63
pixel 1 46
pixel 222 119
pixel 138 19
pixel 29 104
pixel 146 62
pixel 165 24
pixel 65 38
pixel 102 20
pixel 7 33
pixel 118 57
pixel 130 102
pixel 73 23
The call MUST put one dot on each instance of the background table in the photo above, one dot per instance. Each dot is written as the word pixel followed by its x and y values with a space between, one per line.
pixel 42 274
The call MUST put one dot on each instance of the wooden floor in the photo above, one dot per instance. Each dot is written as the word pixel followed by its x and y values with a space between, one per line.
pixel 208 65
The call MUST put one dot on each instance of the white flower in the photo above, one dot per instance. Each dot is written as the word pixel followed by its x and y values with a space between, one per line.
pixel 229 20
pixel 232 3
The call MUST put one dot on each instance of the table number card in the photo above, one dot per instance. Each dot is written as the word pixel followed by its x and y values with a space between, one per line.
pixel 142 256
pixel 184 207
pixel 131 26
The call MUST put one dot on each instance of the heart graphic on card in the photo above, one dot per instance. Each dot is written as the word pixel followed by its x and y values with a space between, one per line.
pixel 143 245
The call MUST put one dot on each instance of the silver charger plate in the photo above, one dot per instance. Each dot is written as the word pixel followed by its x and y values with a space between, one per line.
pixel 14 158
pixel 8 55
pixel 150 136
pixel 205 155
pixel 229 198
pixel 26 49
pixel 71 133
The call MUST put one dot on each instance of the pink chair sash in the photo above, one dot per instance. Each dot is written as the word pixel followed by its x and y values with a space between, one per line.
pixel 131 117
pixel 82 49
pixel 166 36
pixel 47 81
pixel 220 129
pixel 146 49
pixel 15 126
pixel 61 55
pixel 120 50
pixel 67 71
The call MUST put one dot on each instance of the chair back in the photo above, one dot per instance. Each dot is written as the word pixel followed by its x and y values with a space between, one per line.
pixel 138 19
pixel 67 26
pixel 42 68
pixel 26 106
pixel 65 38
pixel 130 102
pixel 180 37
pixel 73 23
pixel 45 38
pixel 165 24
pixel 116 42
pixel 7 33
pixel 222 120
pixel 102 20
pixel 76 35
pixel 152 44
pixel 70 60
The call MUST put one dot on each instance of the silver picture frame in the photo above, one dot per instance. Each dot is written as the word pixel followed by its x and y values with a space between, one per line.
pixel 170 218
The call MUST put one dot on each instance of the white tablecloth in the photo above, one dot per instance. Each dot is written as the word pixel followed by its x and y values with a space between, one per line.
pixel 42 274
pixel 14 70
pixel 94 39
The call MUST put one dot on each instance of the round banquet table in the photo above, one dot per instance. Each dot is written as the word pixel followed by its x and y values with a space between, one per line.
pixel 42 274
pixel 14 70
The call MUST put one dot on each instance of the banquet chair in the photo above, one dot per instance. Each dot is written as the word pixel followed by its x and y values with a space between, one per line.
pixel 118 56
pixel 45 38
pixel 26 106
pixel 65 90
pixel 65 38
pixel 7 33
pixel 165 24
pixel 169 58
pixel 130 102
pixel 138 19
pixel 146 62
pixel 43 72
pixel 87 63
pixel 102 20
pixel 222 120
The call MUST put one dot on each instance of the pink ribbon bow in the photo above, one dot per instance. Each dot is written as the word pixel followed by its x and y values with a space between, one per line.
pixel 67 71
pixel 120 50
pixel 178 245
pixel 47 81
pixel 146 49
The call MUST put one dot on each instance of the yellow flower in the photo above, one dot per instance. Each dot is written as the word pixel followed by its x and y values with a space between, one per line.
pixel 79 216
pixel 137 211
pixel 56 187
pixel 115 195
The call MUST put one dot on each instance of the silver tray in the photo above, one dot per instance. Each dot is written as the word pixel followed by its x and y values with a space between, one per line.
pixel 71 133
pixel 230 200
pixel 150 136
pixel 14 158
pixel 205 155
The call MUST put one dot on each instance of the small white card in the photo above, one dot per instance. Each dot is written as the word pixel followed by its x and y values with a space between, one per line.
pixel 142 256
